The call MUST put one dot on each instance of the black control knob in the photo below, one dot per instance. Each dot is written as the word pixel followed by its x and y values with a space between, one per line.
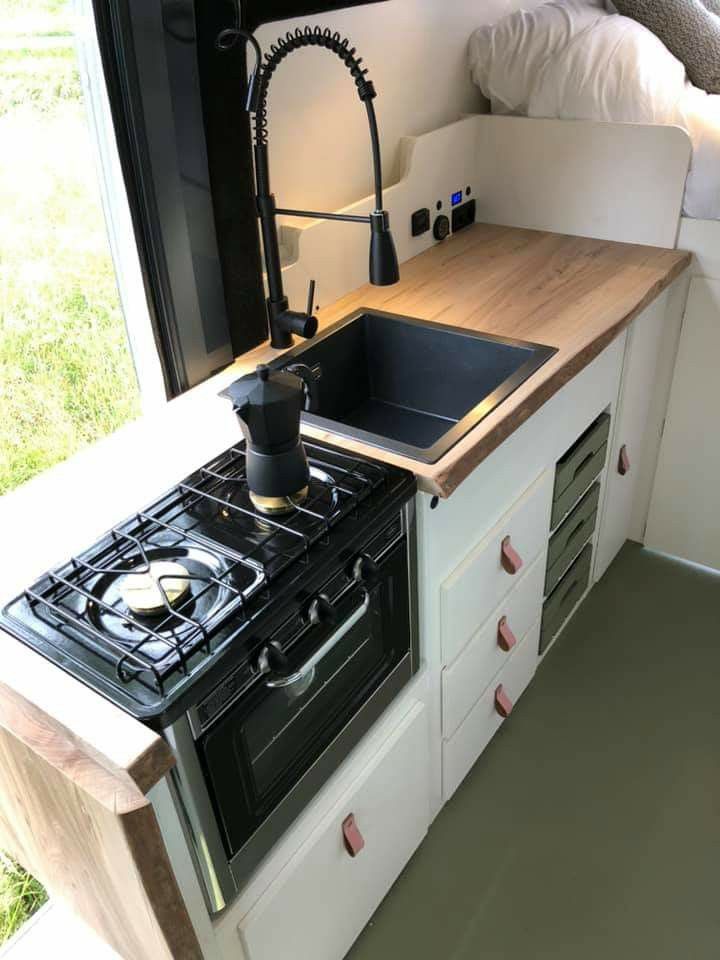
pixel 364 569
pixel 273 660
pixel 322 611
pixel 441 227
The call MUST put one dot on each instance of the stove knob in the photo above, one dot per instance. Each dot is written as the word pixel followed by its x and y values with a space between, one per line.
pixel 321 611
pixel 364 569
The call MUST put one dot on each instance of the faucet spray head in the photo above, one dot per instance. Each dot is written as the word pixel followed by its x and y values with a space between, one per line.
pixel 384 269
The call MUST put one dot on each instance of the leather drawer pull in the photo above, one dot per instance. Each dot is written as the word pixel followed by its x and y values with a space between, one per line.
pixel 352 838
pixel 503 703
pixel 509 557
pixel 623 461
pixel 506 638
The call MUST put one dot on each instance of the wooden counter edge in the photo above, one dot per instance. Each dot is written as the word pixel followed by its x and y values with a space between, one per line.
pixel 79 819
pixel 101 749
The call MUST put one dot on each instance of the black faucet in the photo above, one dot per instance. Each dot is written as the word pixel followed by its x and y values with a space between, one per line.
pixel 383 259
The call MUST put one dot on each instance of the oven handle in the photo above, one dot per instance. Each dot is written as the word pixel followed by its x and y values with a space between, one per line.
pixel 321 652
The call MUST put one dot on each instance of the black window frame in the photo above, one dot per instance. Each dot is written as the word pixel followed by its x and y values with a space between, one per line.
pixel 185 148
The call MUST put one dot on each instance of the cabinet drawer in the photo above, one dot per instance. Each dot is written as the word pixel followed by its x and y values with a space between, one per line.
pixel 321 900
pixel 570 536
pixel 586 446
pixel 465 681
pixel 484 720
pixel 589 469
pixel 481 581
pixel 564 597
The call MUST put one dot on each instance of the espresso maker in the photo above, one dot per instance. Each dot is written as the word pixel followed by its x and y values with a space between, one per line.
pixel 268 404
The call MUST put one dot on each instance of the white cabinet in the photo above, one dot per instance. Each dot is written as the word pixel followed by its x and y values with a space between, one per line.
pixel 491 647
pixel 630 441
pixel 684 514
pixel 487 574
pixel 489 713
pixel 321 900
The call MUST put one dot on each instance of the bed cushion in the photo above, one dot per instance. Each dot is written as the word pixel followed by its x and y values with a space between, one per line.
pixel 572 61
pixel 509 58
pixel 689 29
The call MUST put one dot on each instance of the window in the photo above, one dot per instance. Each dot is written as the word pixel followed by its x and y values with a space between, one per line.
pixel 66 373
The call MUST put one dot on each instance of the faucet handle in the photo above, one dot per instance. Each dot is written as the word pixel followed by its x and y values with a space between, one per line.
pixel 309 377
pixel 311 298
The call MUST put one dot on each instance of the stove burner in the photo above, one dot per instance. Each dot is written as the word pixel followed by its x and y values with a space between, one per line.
pixel 163 585
pixel 278 506
pixel 194 581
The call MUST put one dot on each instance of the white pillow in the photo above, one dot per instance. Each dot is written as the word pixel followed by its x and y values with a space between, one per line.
pixel 575 61
pixel 507 58
pixel 571 60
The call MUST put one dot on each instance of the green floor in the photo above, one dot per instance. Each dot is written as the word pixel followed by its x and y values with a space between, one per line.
pixel 590 827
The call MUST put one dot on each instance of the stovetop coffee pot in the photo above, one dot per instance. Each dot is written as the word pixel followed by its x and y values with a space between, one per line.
pixel 268 404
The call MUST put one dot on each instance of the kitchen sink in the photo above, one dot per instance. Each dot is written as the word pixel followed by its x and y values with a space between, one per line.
pixel 407 385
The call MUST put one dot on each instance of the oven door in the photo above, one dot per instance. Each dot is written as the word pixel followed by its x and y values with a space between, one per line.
pixel 270 753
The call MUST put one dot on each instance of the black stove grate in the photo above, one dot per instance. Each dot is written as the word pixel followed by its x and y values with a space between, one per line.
pixel 231 552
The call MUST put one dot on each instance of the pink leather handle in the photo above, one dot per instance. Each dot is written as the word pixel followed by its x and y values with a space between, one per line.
pixel 505 637
pixel 623 461
pixel 352 838
pixel 503 703
pixel 509 557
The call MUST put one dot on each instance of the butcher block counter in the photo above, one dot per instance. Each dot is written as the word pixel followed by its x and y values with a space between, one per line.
pixel 74 769
pixel 567 292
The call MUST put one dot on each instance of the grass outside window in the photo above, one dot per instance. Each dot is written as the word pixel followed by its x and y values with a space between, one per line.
pixel 20 897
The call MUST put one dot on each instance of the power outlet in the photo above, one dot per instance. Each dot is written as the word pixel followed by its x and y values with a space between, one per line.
pixel 463 216
pixel 420 222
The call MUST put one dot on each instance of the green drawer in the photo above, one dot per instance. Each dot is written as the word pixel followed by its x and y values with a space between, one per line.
pixel 572 462
pixel 588 469
pixel 566 594
pixel 570 536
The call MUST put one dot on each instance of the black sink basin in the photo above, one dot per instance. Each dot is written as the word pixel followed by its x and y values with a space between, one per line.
pixel 408 385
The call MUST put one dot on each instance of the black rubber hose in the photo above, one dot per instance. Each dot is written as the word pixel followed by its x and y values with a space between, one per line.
pixel 282 48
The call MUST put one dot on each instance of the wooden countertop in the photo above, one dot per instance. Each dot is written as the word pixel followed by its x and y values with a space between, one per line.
pixel 572 293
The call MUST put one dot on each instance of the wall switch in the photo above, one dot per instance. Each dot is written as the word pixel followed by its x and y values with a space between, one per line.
pixel 420 222
pixel 463 216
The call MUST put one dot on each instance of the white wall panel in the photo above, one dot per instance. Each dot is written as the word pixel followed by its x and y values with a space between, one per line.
pixel 684 515
pixel 416 53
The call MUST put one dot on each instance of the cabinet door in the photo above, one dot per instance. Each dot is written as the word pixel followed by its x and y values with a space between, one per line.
pixel 326 893
pixel 631 445
pixel 684 517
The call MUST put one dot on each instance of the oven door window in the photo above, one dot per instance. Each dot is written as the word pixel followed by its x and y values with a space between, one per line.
pixel 258 752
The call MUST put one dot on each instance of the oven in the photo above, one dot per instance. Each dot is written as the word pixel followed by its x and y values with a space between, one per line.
pixel 257 749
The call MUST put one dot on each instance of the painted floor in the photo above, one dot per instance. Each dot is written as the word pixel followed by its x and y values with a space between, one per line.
pixel 590 827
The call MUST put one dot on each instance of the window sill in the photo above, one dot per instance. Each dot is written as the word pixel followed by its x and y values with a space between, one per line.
pixel 53 925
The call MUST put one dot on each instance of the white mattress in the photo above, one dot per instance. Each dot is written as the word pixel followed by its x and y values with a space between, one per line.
pixel 572 59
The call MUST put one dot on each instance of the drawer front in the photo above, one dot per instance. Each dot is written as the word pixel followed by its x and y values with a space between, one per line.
pixel 571 535
pixel 321 900
pixel 471 593
pixel 484 720
pixel 590 468
pixel 572 462
pixel 564 597
pixel 465 681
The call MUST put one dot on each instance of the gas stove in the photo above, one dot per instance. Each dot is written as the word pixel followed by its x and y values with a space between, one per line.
pixel 168 601
pixel 262 647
